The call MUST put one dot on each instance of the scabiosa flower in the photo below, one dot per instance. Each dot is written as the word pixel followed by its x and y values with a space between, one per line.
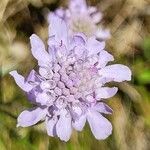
pixel 83 18
pixel 68 88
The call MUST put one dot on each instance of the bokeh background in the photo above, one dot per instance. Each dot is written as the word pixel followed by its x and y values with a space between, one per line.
pixel 129 23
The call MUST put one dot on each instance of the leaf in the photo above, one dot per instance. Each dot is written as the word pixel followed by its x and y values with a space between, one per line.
pixel 144 77
pixel 146 47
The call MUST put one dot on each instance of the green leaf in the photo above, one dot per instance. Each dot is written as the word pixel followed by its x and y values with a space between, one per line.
pixel 144 77
pixel 146 47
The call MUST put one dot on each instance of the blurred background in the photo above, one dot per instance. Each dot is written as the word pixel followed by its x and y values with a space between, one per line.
pixel 129 23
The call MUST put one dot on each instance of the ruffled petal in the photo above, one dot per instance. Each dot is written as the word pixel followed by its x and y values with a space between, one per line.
pixel 31 117
pixel 33 77
pixel 50 126
pixel 116 72
pixel 80 123
pixel 78 40
pixel 100 126
pixel 20 81
pixel 94 46
pixel 32 95
pixel 105 92
pixel 58 29
pixel 102 108
pixel 38 50
pixel 63 126
pixel 104 58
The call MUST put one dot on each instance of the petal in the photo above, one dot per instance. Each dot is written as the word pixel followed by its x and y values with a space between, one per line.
pixel 52 52
pixel 32 95
pixel 38 50
pixel 47 97
pixel 105 92
pixel 63 126
pixel 103 34
pixel 58 28
pixel 31 117
pixel 92 9
pixel 96 17
pixel 61 52
pixel 50 126
pixel 77 44
pixel 46 72
pixel 52 40
pixel 104 58
pixel 42 98
pixel 116 72
pixel 80 123
pixel 61 13
pixel 20 81
pixel 102 81
pixel 102 108
pixel 94 46
pixel 78 6
pixel 33 77
pixel 78 39
pixel 100 126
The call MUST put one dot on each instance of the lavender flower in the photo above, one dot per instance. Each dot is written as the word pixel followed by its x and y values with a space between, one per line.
pixel 68 88
pixel 82 18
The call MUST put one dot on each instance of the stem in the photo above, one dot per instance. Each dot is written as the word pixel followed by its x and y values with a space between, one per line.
pixel 8 113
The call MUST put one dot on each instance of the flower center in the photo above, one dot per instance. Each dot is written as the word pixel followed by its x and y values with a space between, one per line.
pixel 68 83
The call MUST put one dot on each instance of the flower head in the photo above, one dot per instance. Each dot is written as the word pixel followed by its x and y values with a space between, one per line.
pixel 68 88
pixel 82 18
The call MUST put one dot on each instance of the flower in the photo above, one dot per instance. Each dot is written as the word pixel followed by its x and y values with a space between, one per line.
pixel 82 18
pixel 68 88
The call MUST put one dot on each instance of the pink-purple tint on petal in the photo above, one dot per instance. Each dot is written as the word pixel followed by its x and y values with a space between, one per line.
pixel 33 77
